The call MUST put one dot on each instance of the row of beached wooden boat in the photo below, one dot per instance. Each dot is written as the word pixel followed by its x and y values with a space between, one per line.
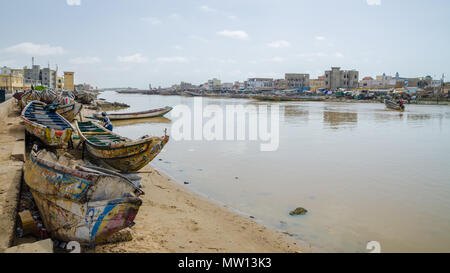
pixel 68 110
pixel 78 201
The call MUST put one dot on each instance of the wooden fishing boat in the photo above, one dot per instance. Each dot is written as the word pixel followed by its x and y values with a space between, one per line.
pixel 51 128
pixel 136 115
pixel 29 96
pixel 393 106
pixel 69 111
pixel 80 204
pixel 121 153
pixel 49 96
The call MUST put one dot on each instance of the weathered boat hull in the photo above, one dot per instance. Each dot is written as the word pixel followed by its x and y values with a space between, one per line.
pixel 81 205
pixel 129 158
pixel 70 111
pixel 53 137
pixel 87 223
pixel 51 178
pixel 126 156
pixel 147 114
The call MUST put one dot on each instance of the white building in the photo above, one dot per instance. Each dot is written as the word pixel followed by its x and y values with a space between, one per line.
pixel 260 83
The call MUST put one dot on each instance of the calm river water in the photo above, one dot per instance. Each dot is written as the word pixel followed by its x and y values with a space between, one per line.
pixel 362 172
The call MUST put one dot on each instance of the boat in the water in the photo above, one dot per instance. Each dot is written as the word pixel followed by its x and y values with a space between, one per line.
pixel 77 203
pixel 393 106
pixel 29 96
pixel 69 111
pixel 47 125
pixel 137 115
pixel 121 153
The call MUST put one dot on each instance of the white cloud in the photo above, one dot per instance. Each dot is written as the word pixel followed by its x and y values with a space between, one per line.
pixel 178 47
pixel 234 34
pixel 85 60
pixel 373 2
pixel 232 17
pixel 309 55
pixel 35 49
pixel 205 8
pixel 277 59
pixel 175 16
pixel 174 59
pixel 73 2
pixel 279 44
pixel 136 58
pixel 151 20
pixel 320 38
pixel 339 55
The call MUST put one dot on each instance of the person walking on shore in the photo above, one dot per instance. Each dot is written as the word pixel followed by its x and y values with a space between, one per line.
pixel 106 122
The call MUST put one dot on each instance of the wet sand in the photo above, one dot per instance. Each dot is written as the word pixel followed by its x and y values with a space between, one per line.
pixel 11 140
pixel 173 219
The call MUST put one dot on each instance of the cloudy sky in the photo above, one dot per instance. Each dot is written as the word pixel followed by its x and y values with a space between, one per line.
pixel 112 43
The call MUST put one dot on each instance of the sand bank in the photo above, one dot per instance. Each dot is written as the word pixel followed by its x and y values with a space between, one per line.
pixel 11 144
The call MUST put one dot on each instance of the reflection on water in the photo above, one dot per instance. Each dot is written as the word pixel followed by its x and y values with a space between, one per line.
pixel 338 120
pixel 385 180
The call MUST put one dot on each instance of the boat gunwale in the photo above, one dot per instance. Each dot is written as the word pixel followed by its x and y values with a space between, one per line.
pixel 142 112
pixel 39 125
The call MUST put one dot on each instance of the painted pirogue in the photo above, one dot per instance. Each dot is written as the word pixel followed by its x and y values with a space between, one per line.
pixel 121 153
pixel 145 114
pixel 394 106
pixel 48 126
pixel 77 203
pixel 29 96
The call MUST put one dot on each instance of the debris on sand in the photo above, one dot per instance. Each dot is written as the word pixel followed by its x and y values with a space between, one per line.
pixel 298 211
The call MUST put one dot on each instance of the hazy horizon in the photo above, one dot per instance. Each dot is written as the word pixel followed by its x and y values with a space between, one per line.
pixel 136 43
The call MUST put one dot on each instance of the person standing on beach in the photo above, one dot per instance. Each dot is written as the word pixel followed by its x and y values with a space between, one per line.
pixel 106 122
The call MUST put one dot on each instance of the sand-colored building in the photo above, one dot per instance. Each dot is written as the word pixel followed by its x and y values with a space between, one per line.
pixel 59 83
pixel 69 81
pixel 317 84
pixel 337 78
pixel 297 80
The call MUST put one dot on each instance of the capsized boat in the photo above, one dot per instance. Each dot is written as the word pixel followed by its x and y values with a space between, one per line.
pixel 119 152
pixel 47 125
pixel 394 106
pixel 78 203
pixel 136 115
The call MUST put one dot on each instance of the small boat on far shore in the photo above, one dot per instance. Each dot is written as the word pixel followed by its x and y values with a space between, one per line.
pixel 393 106
pixel 137 115
pixel 47 125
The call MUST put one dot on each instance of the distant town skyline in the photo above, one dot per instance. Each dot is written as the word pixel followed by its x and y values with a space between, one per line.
pixel 137 43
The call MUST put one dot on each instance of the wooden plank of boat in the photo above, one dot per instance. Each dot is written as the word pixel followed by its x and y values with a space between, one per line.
pixel 70 111
pixel 121 153
pixel 51 128
pixel 79 204
pixel 137 115
pixel 394 106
